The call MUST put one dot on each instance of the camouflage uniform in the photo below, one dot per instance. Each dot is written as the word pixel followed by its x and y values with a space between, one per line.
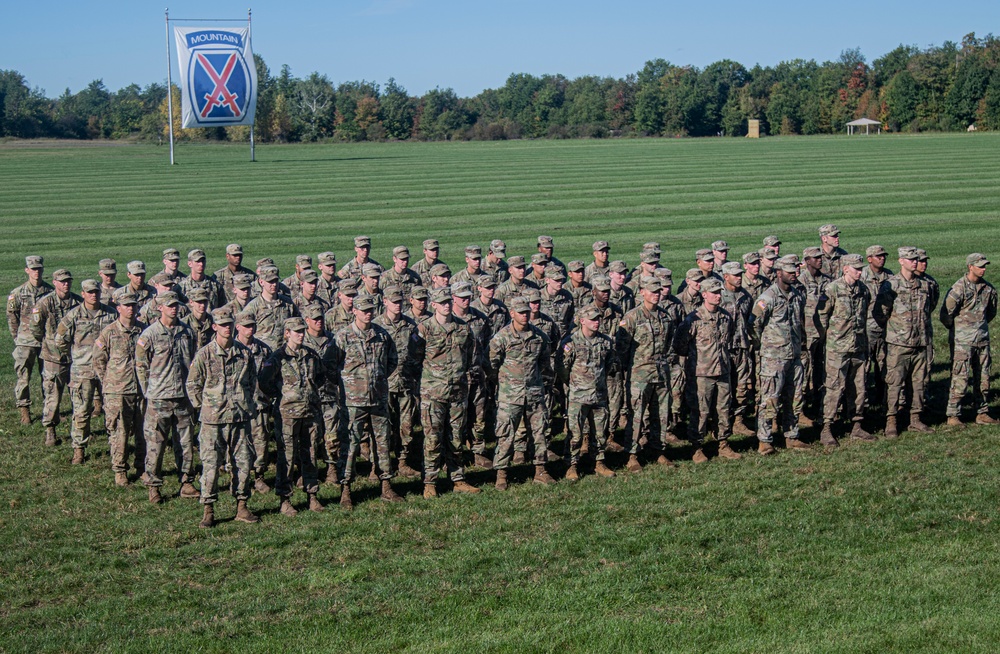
pixel 813 354
pixel 474 429
pixel 778 327
pixel 497 271
pixel 334 429
pixel 75 337
pixel 560 308
pixel 124 405
pixel 581 294
pixel 224 277
pixel 45 318
pixel 678 375
pixel 968 309
pixel 423 270
pixel 704 338
pixel 876 336
pixel 406 280
pixel 301 303
pixel 337 318
pixel 404 385
pixel 352 269
pixel 755 285
pixel 739 303
pixel 624 297
pixel 510 289
pixel 617 406
pixel 202 329
pixel 644 340
pixel 270 317
pixel 27 348
pixel 847 348
pixel 584 364
pixel 216 296
pixel 496 312
pixel 262 421
pixel 831 263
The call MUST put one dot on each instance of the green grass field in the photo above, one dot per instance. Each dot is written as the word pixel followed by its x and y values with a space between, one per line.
pixel 876 547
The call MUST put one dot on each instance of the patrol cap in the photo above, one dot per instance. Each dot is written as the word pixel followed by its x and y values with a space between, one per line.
pixel 242 280
pixel 732 268
pixel 617 266
pixel 419 293
pixel 590 313
pixel 168 299
pixel 473 252
pixel 162 279
pixel 853 261
pixel 265 262
pixel 371 270
pixel 198 295
pixel 545 241
pixel 555 272
pixel 62 275
pixel 751 257
pixel 269 274
pixel 310 277
pixel 485 281
pixel 234 249
pixel 125 296
pixel 651 284
pixel 34 261
pixel 711 285
pixel 875 251
pixel 909 252
pixel 533 295
pixel 246 318
pixel 303 261
pixel 327 259
pixel 441 295
pixel 107 266
pixel 362 241
pixel 392 294
pixel 431 244
pixel 539 259
pixel 461 289
pixel 516 261
pixel 295 324
pixel 601 283
pixel 313 311
pixel 772 241
pixel 196 254
pixel 601 245
pixel 812 252
pixel 576 266
pixel 136 267
pixel 665 275
pixel 172 254
pixel 922 255
pixel 694 275
pixel 720 246
pixel 348 287
pixel 829 230
pixel 769 253
pixel 365 303
pixel 401 252
pixel 498 247
pixel 788 263
pixel 649 256
pixel 704 254
pixel 440 270
pixel 975 259
pixel 651 245
pixel 223 316
pixel 519 304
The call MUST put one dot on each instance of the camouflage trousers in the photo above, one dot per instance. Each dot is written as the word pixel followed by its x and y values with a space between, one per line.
pixel 443 422
pixel 617 402
pixel 845 381
pixel 587 421
pixel 261 428
pixel 905 366
pixel 474 429
pixel 123 420
pixel 742 378
pixel 780 391
pixel 295 447
pixel 970 363
pixel 219 445
pixel 82 393
pixel 521 441
pixel 876 367
pixel 651 406
pixel 333 433
pixel 360 419
pixel 166 418
pixel 509 418
pixel 678 386
pixel 403 408
pixel 813 373
pixel 25 360
pixel 705 396
pixel 55 378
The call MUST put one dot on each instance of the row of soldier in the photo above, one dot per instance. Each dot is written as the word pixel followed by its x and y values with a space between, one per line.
pixel 333 359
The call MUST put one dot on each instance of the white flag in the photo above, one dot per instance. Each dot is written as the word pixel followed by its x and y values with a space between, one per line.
pixel 219 78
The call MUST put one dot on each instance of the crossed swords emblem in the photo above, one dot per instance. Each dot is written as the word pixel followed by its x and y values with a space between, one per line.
pixel 220 95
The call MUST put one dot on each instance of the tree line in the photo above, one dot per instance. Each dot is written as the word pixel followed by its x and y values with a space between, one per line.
pixel 938 88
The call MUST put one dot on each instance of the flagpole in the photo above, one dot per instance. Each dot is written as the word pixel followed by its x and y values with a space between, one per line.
pixel 254 64
pixel 170 89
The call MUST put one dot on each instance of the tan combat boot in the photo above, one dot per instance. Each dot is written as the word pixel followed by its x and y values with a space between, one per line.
pixel 405 470
pixel 373 475
pixel 986 419
pixel 25 415
pixel 189 492
pixel 77 456
pixel 50 437
pixel 542 476
pixel 501 482
pixel 208 517
pixel 286 508
pixel 465 487
pixel 154 495
pixel 243 514
pixel 699 456
pixel 314 504
pixel 572 474
pixel 916 424
pixel 955 421
pixel 633 464
pixel 260 486
pixel 366 450
pixel 740 427
pixel 430 491
pixel 858 433
pixel 603 470
pixel 388 494
pixel 483 462
pixel 727 452
pixel 346 502
pixel 613 447
pixel 121 479
pixel 826 436
pixel 890 427
pixel 98 408
pixel 518 458
pixel 765 449
pixel 805 421
pixel 795 444
pixel 662 460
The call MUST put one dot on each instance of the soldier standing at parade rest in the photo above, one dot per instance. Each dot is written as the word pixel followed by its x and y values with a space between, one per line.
pixel 293 282
pixel 330 418
pixel 27 348
pixel 75 337
pixel 516 284
pixel 233 267
pixel 753 282
pixel 342 313
pixel 830 244
pixel 678 377
pixel 216 297
pixel 400 275
pixel 874 274
pixel 739 303
pixel 546 246
pixel 779 332
pixel 163 355
pixel 352 269
pixel 107 270
pixel 720 255
pixel 768 257
pixel 578 289
pixel 418 305
pixel 45 318
pixel 326 284
pixel 538 264
pixel 773 242
pixel 901 308
pixel 494 264
pixel 171 264
pixel 474 429
pixel 846 349
pixel 221 385
pixel 199 319
pixel 293 376
pixel 690 294
pixel 473 266
pixel 370 286
pixel 934 291
pixel 599 266
pixel 261 423
pixel 429 260
pixel 812 282
pixel 308 294
pixel 404 382
pixel 556 301
pixel 241 293
pixel 621 294
pixel 114 363
pixel 969 308
pixel 271 309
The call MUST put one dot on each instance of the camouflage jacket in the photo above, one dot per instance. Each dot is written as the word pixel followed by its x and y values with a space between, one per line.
pixel 873 282
pixel 739 303
pixel 366 359
pixel 847 310
pixel 690 298
pixel 202 329
pixel 581 294
pixel 327 290
pixel 778 319
pixel 755 285
pixel 222 383
pixel 406 377
pixel 114 358
pixel 482 332
pixel 423 270
pixel 261 352
pixel 464 275
pixel 325 346
pixel 644 342
pixel 624 297
pixel 703 338
pixel 496 313
pixel 216 295
pixel 376 298
pixel 584 364
pixel 934 293
pixel 405 280
pixel 510 288
pixel 271 318
pixel 294 379
pixel 417 319
pixel 225 278
pixel 548 326
pixel 143 295
pixel 162 358
pixel 150 312
pixel 446 352
pixel 560 308
pixel 831 263
pixel 108 293
pixel 675 314
pixel 337 318
pixel 497 271
pixel 968 310
pixel 352 269
pixel 45 318
pixel 301 303
pixel 20 302
pixel 519 364
pixel 75 337
pixel 814 288
pixel 902 308
pixel 592 270
pixel 294 286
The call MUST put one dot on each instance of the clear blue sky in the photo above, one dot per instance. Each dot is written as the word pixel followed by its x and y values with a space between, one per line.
pixel 468 45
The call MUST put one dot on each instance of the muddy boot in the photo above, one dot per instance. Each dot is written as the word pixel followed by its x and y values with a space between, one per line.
pixel 955 421
pixel 727 452
pixel 916 424
pixel 346 502
pixel 740 428
pixel 542 476
pixel 121 479
pixel 189 492
pixel 858 433
pixel 430 491
pixel 982 419
pixel 483 462
pixel 286 509
pixel 518 458
pixel 765 449
pixel 243 514
pixel 388 494
pixel 25 415
pixel 260 486
pixel 465 487
pixel 890 427
pixel 572 474
pixel 501 482
pixel 154 495
pixel 699 456
pixel 314 503
pixel 633 464
pixel 826 436
pixel 77 456
pixel 208 517
pixel 50 437
pixel 603 470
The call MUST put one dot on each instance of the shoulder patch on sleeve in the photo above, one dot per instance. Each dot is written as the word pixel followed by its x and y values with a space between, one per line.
pixel 762 304
pixel 99 344
pixel 621 323
pixel 141 342
pixel 568 347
